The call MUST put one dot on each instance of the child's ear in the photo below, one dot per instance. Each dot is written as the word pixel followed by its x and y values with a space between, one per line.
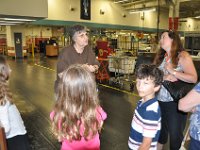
pixel 60 74
pixel 157 88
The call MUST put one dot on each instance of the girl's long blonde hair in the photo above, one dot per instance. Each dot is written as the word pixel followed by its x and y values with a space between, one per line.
pixel 5 93
pixel 76 105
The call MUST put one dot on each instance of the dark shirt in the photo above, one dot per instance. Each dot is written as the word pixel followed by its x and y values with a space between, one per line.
pixel 69 56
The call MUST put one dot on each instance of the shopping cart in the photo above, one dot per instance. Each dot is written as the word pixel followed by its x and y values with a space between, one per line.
pixel 122 66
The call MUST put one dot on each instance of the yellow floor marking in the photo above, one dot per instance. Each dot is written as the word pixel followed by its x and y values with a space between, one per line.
pixel 123 91
pixel 45 67
pixel 107 86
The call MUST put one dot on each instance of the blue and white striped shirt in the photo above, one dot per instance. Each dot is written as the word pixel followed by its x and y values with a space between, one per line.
pixel 146 123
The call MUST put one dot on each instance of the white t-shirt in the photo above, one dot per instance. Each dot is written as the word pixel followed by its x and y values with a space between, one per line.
pixel 11 120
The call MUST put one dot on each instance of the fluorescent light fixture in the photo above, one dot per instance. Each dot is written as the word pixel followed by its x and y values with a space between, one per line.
pixel 14 19
pixel 6 24
pixel 121 1
pixel 122 33
pixel 142 10
pixel 182 20
pixel 197 17
pixel 15 22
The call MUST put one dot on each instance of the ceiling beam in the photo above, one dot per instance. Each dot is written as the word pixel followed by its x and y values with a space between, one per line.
pixel 137 2
pixel 144 5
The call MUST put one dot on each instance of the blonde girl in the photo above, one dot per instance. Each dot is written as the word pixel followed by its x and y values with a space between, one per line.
pixel 10 117
pixel 77 116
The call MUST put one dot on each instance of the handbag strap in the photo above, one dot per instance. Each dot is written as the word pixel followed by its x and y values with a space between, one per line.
pixel 167 58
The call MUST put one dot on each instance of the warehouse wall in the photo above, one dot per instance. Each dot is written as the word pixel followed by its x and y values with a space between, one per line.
pixel 32 8
pixel 60 10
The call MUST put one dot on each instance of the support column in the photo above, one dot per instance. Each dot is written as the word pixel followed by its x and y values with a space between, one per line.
pixel 174 15
pixel 158 20
pixel 171 17
pixel 9 37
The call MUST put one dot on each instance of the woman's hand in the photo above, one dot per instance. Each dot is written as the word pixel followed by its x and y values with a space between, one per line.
pixel 91 68
pixel 169 68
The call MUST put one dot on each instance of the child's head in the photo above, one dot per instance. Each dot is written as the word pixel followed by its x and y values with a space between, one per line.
pixel 77 102
pixel 4 70
pixel 5 94
pixel 148 79
pixel 77 86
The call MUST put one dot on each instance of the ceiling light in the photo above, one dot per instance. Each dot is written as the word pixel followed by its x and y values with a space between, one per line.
pixel 6 24
pixel 121 1
pixel 182 20
pixel 197 17
pixel 14 19
pixel 142 10
pixel 10 22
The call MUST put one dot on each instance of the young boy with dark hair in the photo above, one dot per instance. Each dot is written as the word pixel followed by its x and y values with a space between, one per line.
pixel 146 123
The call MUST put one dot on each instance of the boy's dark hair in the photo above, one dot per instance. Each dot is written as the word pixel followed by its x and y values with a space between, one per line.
pixel 150 71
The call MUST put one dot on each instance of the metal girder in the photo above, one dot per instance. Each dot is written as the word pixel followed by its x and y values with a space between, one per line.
pixel 132 2
pixel 188 8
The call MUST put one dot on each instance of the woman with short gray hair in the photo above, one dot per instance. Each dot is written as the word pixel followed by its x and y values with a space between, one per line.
pixel 77 53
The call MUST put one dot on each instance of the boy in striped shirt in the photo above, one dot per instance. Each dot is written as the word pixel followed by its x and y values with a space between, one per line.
pixel 146 123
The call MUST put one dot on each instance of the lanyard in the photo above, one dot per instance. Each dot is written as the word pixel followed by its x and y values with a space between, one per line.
pixel 167 58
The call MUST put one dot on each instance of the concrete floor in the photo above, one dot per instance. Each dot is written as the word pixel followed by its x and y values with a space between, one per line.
pixel 32 87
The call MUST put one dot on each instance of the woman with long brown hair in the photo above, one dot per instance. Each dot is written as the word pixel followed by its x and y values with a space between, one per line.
pixel 176 64
pixel 77 116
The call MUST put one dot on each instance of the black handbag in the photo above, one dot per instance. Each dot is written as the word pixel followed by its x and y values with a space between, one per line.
pixel 178 89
